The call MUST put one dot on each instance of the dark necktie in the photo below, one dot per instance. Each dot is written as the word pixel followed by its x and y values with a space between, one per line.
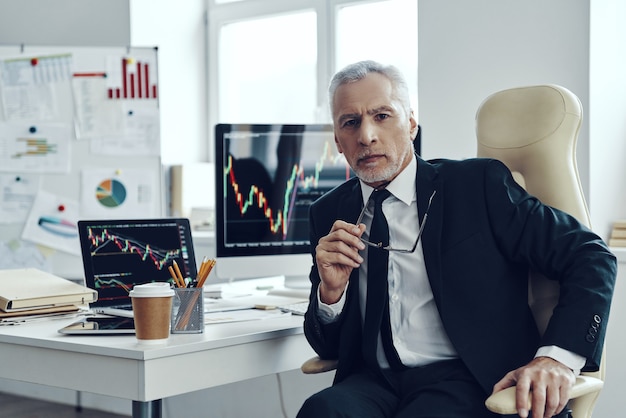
pixel 377 300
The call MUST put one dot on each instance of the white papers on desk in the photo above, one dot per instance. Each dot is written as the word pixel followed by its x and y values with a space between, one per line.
pixel 245 301
pixel 226 305
pixel 260 301
pixel 247 308
pixel 242 315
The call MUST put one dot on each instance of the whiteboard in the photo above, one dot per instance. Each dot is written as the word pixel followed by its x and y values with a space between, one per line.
pixel 81 126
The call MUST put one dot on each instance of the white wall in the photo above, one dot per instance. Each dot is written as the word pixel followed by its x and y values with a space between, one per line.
pixel 65 22
pixel 607 153
pixel 607 114
pixel 179 30
pixel 470 49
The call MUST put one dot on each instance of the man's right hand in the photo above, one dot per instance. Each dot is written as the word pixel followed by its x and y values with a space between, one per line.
pixel 336 255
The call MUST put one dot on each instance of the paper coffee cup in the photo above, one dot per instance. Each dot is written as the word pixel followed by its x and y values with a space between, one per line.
pixel 152 306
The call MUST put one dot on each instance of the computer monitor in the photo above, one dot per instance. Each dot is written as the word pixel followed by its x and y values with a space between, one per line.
pixel 267 177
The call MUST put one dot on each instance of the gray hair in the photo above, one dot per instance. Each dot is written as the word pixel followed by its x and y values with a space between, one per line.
pixel 358 71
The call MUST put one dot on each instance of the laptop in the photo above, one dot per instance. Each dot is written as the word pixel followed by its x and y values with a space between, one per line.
pixel 119 254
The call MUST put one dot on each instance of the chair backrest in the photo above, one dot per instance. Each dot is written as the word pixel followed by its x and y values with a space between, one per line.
pixel 533 130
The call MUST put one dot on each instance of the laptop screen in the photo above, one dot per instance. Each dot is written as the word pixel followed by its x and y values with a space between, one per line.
pixel 118 254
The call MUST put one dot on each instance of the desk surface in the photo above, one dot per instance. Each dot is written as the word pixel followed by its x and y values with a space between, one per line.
pixel 118 366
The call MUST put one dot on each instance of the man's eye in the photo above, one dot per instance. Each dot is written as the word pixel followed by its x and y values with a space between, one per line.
pixel 349 123
pixel 382 116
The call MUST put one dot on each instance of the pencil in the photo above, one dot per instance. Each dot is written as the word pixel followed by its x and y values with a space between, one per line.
pixel 203 266
pixel 173 274
pixel 206 272
pixel 203 269
pixel 178 273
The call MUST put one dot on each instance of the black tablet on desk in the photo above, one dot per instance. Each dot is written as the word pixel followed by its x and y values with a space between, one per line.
pixel 100 325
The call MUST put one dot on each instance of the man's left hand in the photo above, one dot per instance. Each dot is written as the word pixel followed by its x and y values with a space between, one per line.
pixel 545 381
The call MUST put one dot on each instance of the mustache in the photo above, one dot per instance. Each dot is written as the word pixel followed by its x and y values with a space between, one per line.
pixel 368 154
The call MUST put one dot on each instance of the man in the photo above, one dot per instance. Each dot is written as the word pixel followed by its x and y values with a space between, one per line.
pixel 451 322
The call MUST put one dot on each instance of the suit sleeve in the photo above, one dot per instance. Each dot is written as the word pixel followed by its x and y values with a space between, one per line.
pixel 558 246
pixel 323 338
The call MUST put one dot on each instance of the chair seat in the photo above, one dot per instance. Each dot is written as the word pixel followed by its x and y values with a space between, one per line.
pixel 503 402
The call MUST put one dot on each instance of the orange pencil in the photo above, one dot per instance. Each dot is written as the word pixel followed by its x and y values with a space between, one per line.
pixel 173 274
pixel 210 265
pixel 203 266
pixel 178 273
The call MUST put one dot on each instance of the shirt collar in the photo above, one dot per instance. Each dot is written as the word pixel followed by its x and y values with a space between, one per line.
pixel 403 187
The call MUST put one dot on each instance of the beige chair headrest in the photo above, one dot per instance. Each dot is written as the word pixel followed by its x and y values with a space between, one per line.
pixel 533 130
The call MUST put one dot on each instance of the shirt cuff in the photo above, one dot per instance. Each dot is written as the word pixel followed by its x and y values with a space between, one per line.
pixel 330 313
pixel 570 359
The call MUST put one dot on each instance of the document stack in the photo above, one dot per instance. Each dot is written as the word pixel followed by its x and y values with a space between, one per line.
pixel 30 291
pixel 618 234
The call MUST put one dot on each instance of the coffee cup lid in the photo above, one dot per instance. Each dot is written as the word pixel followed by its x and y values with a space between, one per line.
pixel 150 290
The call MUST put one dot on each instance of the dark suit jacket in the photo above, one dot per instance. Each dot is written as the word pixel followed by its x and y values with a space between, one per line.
pixel 483 234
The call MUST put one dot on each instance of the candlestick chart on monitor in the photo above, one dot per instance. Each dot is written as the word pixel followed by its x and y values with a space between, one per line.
pixel 269 182
pixel 120 254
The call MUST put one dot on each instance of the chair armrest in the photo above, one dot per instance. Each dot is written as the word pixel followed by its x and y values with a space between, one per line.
pixel 317 365
pixel 503 402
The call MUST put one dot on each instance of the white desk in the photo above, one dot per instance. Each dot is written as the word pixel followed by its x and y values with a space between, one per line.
pixel 117 366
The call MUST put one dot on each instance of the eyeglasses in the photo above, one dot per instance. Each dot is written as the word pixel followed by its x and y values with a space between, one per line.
pixel 389 247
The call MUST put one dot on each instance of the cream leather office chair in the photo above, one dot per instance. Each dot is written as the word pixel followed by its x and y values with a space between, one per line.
pixel 533 130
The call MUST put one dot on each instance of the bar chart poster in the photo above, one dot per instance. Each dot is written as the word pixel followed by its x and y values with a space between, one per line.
pixel 132 77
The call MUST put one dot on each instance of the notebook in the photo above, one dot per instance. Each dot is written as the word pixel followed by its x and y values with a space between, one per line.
pixel 29 290
pixel 118 254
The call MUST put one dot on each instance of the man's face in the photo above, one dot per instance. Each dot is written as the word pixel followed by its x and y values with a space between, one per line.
pixel 372 129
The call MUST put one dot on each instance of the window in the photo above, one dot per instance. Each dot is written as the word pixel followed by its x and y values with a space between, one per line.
pixel 384 31
pixel 266 67
pixel 270 61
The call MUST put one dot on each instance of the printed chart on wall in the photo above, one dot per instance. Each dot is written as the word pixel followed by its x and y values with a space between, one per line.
pixel 118 108
pixel 44 148
pixel 117 194
pixel 53 222
pixel 79 138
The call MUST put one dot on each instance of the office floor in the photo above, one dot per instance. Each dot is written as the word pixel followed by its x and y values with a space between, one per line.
pixel 12 406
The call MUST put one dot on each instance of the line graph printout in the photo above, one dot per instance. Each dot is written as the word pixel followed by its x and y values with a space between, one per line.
pixel 120 254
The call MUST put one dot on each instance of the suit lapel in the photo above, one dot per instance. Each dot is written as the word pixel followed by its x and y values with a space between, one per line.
pixel 428 181
pixel 350 203
pixel 349 206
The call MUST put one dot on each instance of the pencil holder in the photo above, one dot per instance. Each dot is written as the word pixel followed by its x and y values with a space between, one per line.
pixel 188 311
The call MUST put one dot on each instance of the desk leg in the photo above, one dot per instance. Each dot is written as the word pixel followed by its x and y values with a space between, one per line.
pixel 150 409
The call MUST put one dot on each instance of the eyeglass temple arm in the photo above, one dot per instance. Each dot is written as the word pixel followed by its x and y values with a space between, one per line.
pixel 430 201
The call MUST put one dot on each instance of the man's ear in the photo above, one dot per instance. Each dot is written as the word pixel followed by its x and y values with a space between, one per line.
pixel 414 126
pixel 339 149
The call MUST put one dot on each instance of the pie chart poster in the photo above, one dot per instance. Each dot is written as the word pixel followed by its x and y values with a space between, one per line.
pixel 117 194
